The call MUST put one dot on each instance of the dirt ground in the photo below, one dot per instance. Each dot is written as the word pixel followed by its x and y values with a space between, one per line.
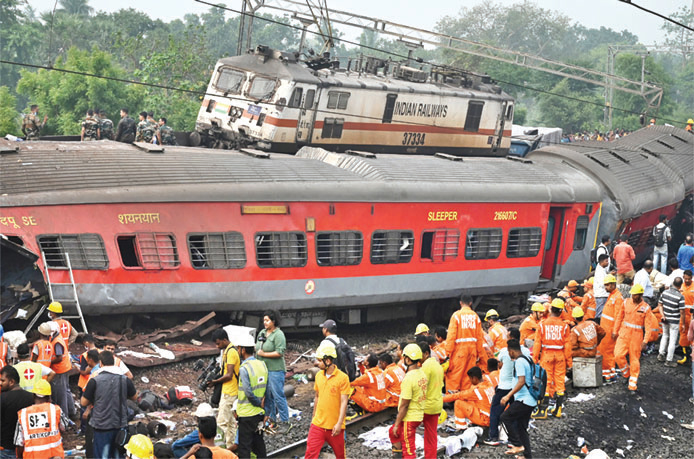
pixel 600 421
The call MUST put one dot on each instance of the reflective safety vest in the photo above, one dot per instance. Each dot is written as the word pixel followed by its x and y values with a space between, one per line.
pixel 65 328
pixel 3 353
pixel 257 375
pixel 84 379
pixel 29 374
pixel 41 429
pixel 45 352
pixel 64 365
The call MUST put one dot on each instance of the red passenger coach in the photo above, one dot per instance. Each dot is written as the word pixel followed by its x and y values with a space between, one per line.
pixel 238 231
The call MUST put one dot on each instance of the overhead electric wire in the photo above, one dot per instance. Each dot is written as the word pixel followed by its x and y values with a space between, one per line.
pixel 655 13
pixel 442 66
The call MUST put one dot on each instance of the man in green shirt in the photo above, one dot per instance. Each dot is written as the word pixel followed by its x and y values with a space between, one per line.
pixel 230 385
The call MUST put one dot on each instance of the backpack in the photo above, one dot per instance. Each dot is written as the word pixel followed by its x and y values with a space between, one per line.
pixel 345 358
pixel 538 385
pixel 180 395
pixel 659 234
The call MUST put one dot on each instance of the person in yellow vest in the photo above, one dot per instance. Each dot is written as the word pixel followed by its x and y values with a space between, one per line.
pixel 497 332
pixel 61 364
pixel 30 372
pixel 42 352
pixel 39 427
pixel 3 348
pixel 67 331
pixel 253 376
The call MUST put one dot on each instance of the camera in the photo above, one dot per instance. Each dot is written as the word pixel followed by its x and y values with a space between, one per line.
pixel 208 373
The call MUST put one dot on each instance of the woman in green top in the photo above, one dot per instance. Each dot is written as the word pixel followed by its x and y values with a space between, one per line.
pixel 270 349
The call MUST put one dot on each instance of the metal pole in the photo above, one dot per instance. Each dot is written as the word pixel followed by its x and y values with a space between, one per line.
pixel 242 21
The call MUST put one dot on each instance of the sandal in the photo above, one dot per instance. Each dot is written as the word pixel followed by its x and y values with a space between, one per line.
pixel 514 451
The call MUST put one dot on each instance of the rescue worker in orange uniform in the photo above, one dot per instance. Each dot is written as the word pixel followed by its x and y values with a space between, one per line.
pixel 613 306
pixel 422 329
pixel 585 336
pixel 531 323
pixel 393 375
pixel 552 350
pixel 571 299
pixel 588 303
pixel 39 428
pixel 690 124
pixel 497 332
pixel 42 352
pixel 464 345
pixel 472 404
pixel 67 331
pixel 85 369
pixel 633 325
pixel 61 365
pixel 493 375
pixel 439 349
pixel 687 291
pixel 370 388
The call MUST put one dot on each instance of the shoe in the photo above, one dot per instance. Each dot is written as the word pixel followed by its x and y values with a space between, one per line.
pixel 661 358
pixel 671 364
pixel 284 427
pixel 492 442
pixel 691 400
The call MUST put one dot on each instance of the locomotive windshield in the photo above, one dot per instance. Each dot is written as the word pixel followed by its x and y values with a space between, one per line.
pixel 261 88
pixel 230 80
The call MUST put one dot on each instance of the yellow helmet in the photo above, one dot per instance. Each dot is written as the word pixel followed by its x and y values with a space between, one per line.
pixel 140 446
pixel 577 312
pixel 636 289
pixel 557 303
pixel 326 350
pixel 690 121
pixel 55 307
pixel 421 328
pixel 589 281
pixel 491 313
pixel 413 351
pixel 42 388
pixel 610 279
pixel 537 307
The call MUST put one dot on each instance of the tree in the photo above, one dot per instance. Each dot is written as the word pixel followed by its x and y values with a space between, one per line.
pixel 679 37
pixel 561 108
pixel 9 118
pixel 75 7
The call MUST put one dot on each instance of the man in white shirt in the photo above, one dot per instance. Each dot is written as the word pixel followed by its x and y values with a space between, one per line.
pixel 676 272
pixel 604 248
pixel 661 236
pixel 644 280
pixel 599 284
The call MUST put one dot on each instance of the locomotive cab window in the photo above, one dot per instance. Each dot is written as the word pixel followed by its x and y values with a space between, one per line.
pixel 524 242
pixel 309 99
pixel 86 251
pixel 391 247
pixel 509 112
pixel 217 250
pixel 148 250
pixel 295 99
pixel 261 88
pixel 343 248
pixel 440 245
pixel 230 80
pixel 390 108
pixel 337 100
pixel 332 128
pixel 280 250
pixel 581 232
pixel 474 115
pixel 483 244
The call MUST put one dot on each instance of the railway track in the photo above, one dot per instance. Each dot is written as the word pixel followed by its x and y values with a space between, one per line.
pixel 298 449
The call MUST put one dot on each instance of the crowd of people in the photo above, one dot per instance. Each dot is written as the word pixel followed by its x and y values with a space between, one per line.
pixel 486 372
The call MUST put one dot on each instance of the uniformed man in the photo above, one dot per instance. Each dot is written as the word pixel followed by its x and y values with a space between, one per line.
pixel 166 133
pixel 90 127
pixel 39 426
pixel 30 372
pixel 497 332
pixel 106 126
pixel 126 128
pixel 67 331
pixel 156 139
pixel 529 326
pixel 585 336
pixel 145 130
pixel 31 126
pixel 253 376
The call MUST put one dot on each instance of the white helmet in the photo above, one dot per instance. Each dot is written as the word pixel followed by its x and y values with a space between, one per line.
pixel 245 340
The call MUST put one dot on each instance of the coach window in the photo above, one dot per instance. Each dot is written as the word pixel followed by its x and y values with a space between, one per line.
pixel 633 239
pixel 310 99
pixel 332 128
pixel 337 100
pixel 550 233
pixel 15 240
pixel 581 232
pixel 295 100
pixel 343 248
pixel 280 250
pixel 440 245
pixel 391 247
pixel 86 251
pixel 217 250
pixel 230 81
pixel 483 244
pixel 474 115
pixel 524 242
pixel 261 88
pixel 148 250
pixel 390 108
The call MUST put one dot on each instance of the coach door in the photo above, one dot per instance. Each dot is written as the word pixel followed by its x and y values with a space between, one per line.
pixel 553 242
pixel 307 114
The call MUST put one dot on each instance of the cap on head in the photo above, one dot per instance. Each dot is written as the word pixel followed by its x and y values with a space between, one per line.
pixel 329 324
pixel 46 329
pixel 577 312
pixel 537 307
pixel 557 303
pixel 636 289
pixel 42 388
pixel 413 351
pixel 140 447
pixel 572 283
pixel 491 314
pixel 56 307
pixel 326 350
pixel 610 279
pixel 204 410
pixel 421 328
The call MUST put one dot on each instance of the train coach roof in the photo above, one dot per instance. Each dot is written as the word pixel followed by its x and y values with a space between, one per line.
pixel 646 170
pixel 51 173
pixel 271 67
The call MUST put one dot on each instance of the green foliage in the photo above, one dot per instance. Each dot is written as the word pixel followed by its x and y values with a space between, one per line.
pixel 9 118
pixel 572 115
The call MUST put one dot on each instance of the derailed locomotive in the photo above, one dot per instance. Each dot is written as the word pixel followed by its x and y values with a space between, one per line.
pixel 273 101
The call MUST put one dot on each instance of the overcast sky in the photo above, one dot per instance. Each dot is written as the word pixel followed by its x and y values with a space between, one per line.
pixel 591 13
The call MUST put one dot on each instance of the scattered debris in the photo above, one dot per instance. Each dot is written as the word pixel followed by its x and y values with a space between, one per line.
pixel 581 398
pixel 669 416
pixel 620 451
pixel 626 427
pixel 643 413
pixel 668 437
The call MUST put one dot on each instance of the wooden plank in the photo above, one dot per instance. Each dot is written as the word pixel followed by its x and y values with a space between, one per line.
pixel 185 351
pixel 188 327
pixel 207 330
